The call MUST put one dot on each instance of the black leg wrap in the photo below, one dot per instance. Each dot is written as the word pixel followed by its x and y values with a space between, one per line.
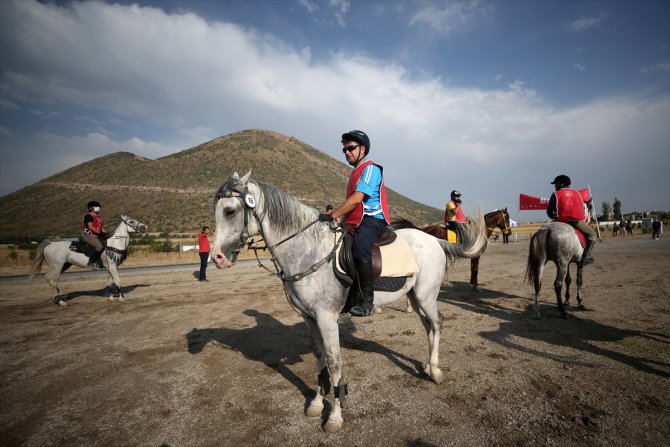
pixel 324 382
pixel 340 393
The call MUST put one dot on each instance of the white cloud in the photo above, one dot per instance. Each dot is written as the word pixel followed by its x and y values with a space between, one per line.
pixel 661 67
pixel 579 66
pixel 310 5
pixel 447 17
pixel 587 23
pixel 196 80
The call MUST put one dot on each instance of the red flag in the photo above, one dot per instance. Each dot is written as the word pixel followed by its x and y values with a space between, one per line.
pixel 527 202
pixel 585 194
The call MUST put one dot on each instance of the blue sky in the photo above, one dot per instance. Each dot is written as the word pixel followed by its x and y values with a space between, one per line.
pixel 492 98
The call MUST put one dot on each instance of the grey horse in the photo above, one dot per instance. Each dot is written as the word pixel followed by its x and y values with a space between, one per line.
pixel 302 250
pixel 59 257
pixel 556 242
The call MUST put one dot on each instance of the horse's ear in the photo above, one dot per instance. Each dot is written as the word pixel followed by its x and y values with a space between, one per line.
pixel 245 179
pixel 236 176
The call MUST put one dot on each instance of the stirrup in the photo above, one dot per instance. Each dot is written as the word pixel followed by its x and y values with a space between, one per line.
pixel 362 310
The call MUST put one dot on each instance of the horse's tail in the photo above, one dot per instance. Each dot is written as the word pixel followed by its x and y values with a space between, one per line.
pixel 472 244
pixel 399 223
pixel 39 259
pixel 537 254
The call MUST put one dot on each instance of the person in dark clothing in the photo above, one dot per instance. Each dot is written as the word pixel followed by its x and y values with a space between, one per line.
pixel 656 229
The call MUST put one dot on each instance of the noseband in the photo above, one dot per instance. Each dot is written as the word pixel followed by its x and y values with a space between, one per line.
pixel 507 228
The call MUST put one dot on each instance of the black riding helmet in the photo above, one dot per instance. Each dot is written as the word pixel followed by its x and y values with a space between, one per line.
pixel 359 137
pixel 562 179
pixel 455 193
pixel 92 203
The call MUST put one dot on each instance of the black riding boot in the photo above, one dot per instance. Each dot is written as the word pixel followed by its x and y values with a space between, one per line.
pixel 94 261
pixel 365 281
pixel 586 256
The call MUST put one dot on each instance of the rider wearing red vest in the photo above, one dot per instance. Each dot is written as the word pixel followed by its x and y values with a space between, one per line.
pixel 365 208
pixel 567 205
pixel 93 233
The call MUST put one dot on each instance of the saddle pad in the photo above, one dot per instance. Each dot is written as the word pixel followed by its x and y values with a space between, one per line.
pixel 397 259
pixel 581 237
pixel 451 236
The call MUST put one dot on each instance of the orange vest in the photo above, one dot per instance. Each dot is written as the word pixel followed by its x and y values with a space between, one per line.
pixel 569 205
pixel 355 216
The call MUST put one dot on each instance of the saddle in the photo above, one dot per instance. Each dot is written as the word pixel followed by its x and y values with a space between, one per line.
pixel 389 276
pixel 81 246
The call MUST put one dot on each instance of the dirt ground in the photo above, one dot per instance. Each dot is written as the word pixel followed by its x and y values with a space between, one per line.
pixel 183 363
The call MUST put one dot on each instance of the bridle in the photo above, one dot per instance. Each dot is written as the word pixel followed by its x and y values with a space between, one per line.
pixel 124 251
pixel 497 224
pixel 248 202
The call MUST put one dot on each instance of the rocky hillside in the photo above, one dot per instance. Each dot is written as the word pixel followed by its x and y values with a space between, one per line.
pixel 174 193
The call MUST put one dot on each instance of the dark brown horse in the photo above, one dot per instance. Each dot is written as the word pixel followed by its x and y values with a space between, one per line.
pixel 495 219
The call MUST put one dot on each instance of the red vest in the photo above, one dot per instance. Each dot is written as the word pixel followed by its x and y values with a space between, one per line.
pixel 203 243
pixel 97 224
pixel 355 216
pixel 569 205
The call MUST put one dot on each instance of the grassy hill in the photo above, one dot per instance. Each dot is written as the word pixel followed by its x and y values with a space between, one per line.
pixel 174 193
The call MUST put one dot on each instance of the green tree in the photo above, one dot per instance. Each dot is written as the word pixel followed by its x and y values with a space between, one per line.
pixel 616 208
pixel 606 210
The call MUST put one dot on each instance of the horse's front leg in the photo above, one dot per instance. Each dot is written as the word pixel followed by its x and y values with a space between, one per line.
pixel 315 407
pixel 330 336
pixel 114 282
pixel 580 278
pixel 474 272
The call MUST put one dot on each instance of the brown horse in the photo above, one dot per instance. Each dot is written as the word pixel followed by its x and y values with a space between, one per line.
pixel 495 219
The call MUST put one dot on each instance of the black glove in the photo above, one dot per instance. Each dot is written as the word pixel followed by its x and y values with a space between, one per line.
pixel 325 218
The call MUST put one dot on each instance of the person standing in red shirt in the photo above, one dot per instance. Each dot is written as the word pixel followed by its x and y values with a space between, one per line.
pixel 203 244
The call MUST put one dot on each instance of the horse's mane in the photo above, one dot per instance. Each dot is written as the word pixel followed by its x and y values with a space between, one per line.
pixel 286 214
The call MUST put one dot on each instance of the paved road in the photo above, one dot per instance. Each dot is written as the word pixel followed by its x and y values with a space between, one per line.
pixel 126 271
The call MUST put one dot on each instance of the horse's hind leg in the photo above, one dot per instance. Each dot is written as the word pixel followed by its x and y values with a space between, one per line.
pixel 53 278
pixel 568 281
pixel 580 270
pixel 537 287
pixel 558 286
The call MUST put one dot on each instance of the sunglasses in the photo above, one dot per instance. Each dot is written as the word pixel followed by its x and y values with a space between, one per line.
pixel 350 148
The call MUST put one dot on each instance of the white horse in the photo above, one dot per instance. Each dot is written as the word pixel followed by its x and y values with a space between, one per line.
pixel 59 257
pixel 300 246
pixel 557 242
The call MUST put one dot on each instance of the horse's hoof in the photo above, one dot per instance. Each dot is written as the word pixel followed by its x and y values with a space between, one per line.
pixel 120 299
pixel 333 426
pixel 314 411
pixel 61 303
pixel 110 299
pixel 581 306
pixel 436 375
pixel 377 310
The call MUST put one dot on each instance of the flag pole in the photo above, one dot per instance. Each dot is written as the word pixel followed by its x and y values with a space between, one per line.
pixel 595 215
